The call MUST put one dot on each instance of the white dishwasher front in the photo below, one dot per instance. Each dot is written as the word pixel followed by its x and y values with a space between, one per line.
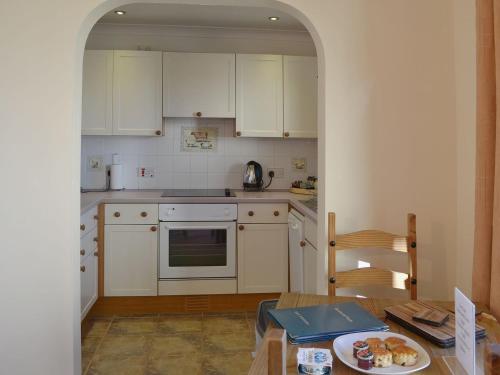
pixel 296 242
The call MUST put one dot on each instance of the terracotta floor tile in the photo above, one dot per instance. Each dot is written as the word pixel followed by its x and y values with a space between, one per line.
pixel 177 365
pixel 169 324
pixel 227 364
pixel 233 342
pixel 175 345
pixel 134 326
pixel 225 324
pixel 99 327
pixel 132 365
pixel 122 346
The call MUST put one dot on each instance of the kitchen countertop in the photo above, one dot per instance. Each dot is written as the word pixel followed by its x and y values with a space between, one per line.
pixel 91 199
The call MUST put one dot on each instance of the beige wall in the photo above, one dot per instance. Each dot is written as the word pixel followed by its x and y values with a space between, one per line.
pixel 391 143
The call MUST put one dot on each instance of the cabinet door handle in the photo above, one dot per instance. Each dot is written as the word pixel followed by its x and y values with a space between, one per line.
pixel 302 243
pixel 198 114
pixel 153 229
pixel 96 239
pixel 144 214
pixel 158 132
pixel 96 217
pixel 116 214
pixel 82 252
pixel 96 253
pixel 238 134
pixel 250 213
pixel 276 213
pixel 82 227
pixel 286 134
pixel 241 227
pixel 82 268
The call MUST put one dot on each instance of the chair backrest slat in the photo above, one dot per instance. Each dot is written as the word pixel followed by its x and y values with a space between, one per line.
pixel 371 239
pixel 371 276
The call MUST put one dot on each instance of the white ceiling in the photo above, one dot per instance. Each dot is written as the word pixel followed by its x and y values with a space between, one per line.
pixel 203 15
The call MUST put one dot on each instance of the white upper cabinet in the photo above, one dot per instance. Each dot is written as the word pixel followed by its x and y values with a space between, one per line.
pixel 259 95
pixel 97 93
pixel 198 84
pixel 300 91
pixel 137 93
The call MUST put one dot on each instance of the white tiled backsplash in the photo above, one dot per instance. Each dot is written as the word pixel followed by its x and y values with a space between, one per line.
pixel 223 167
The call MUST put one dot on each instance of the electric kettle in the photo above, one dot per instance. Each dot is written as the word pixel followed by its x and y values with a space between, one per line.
pixel 252 179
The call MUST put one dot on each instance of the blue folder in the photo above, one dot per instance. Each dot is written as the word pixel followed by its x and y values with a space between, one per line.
pixel 325 322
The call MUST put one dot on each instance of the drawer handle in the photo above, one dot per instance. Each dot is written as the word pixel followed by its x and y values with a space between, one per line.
pixel 96 253
pixel 82 252
pixel 198 114
pixel 286 134
pixel 158 132
pixel 96 239
pixel 144 214
pixel 96 217
pixel 117 214
pixel 82 227
pixel 153 229
pixel 250 213
pixel 302 243
pixel 276 213
pixel 82 268
pixel 241 227
pixel 238 134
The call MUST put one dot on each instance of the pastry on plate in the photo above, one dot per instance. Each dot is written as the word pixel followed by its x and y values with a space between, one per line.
pixel 393 342
pixel 374 343
pixel 404 355
pixel 382 357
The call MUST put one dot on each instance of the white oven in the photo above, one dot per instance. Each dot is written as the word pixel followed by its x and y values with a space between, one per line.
pixel 197 241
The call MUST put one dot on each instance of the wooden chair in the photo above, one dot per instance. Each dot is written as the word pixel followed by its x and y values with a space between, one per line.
pixel 370 239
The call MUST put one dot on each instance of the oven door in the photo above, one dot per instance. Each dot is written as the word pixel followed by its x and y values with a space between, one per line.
pixel 197 250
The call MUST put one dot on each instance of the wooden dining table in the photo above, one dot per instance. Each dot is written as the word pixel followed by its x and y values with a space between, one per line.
pixel 443 361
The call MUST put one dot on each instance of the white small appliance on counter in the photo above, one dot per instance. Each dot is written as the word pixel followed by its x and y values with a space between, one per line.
pixel 116 173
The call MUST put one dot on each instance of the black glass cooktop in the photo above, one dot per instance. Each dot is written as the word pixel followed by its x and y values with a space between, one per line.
pixel 198 193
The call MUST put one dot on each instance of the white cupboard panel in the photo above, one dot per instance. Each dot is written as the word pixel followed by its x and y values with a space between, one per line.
pixel 97 93
pixel 88 284
pixel 310 268
pixel 262 258
pixel 300 91
pixel 137 93
pixel 259 95
pixel 198 84
pixel 130 213
pixel 263 213
pixel 130 260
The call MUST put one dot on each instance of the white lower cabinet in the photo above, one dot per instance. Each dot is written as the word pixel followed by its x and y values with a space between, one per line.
pixel 262 258
pixel 131 260
pixel 88 283
pixel 310 267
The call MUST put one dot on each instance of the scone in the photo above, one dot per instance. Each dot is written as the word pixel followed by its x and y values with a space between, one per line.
pixel 374 343
pixel 393 342
pixel 382 357
pixel 404 356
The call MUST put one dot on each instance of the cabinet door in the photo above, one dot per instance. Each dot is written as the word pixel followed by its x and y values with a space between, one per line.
pixel 310 268
pixel 130 260
pixel 300 91
pixel 88 284
pixel 259 95
pixel 262 258
pixel 137 93
pixel 198 84
pixel 97 93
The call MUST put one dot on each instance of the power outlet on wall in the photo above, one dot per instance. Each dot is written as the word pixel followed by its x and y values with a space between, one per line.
pixel 95 163
pixel 146 172
pixel 278 172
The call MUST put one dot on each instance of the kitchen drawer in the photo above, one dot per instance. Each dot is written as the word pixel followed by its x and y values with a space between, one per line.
pixel 311 232
pixel 88 244
pixel 263 213
pixel 131 214
pixel 88 221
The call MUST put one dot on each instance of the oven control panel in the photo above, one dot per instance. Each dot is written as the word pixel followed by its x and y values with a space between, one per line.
pixel 198 212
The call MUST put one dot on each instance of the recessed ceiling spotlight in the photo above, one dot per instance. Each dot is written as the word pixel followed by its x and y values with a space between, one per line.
pixel 120 12
pixel 274 18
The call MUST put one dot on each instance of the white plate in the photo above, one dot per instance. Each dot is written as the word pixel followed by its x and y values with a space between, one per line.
pixel 343 349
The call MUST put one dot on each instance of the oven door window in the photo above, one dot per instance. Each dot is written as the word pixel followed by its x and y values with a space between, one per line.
pixel 197 247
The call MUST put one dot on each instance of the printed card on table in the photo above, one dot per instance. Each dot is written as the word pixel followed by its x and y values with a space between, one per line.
pixel 465 332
